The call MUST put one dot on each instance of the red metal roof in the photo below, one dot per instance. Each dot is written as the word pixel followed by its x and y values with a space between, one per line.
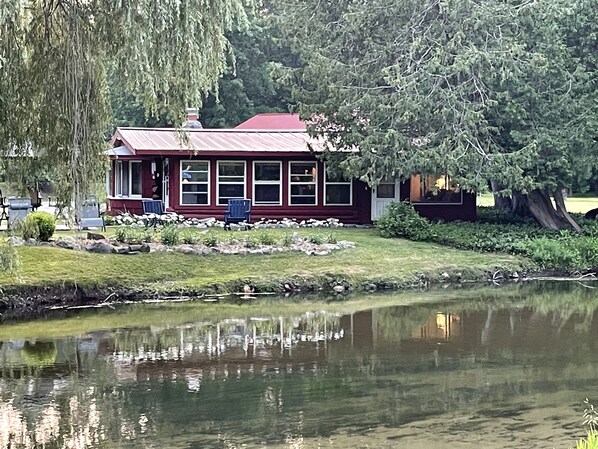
pixel 163 140
pixel 273 121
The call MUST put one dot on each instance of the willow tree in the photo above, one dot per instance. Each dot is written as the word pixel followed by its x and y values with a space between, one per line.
pixel 54 56
pixel 481 90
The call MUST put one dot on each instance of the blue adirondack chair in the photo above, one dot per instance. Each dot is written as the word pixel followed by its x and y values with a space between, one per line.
pixel 90 216
pixel 154 208
pixel 238 210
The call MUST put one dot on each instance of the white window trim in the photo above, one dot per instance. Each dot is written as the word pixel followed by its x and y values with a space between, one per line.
pixel 218 203
pixel 187 161
pixel 337 183
pixel 269 183
pixel 291 183
pixel 117 174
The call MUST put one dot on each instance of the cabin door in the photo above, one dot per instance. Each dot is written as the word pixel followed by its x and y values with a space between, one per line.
pixel 166 182
pixel 382 195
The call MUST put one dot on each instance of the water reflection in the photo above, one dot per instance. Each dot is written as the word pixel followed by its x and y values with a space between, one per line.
pixel 511 361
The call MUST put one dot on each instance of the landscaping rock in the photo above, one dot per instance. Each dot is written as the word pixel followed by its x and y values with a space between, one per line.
pixel 145 248
pixel 31 242
pixel 339 288
pixel 16 241
pixel 95 236
pixel 121 249
pixel 68 243
pixel 100 248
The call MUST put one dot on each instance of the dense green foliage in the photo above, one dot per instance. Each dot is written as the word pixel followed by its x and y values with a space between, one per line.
pixel 402 220
pixel 499 232
pixel 492 90
pixel 54 56
pixel 251 84
pixel 44 223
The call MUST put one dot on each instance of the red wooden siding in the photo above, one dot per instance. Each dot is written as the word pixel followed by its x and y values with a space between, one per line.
pixel 439 211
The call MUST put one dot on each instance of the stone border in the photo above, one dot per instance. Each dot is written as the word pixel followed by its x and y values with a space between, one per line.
pixel 128 219
pixel 96 243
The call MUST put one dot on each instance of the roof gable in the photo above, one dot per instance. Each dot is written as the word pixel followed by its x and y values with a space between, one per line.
pixel 274 121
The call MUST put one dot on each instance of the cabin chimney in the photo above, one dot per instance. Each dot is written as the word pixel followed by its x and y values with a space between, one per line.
pixel 192 121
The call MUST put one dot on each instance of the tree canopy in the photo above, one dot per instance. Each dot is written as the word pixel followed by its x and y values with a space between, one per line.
pixel 501 90
pixel 55 54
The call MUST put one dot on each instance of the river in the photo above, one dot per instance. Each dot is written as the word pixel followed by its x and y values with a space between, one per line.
pixel 491 367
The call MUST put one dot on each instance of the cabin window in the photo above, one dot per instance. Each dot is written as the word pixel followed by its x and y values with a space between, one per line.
pixel 231 181
pixel 302 183
pixel 195 183
pixel 435 189
pixel 338 190
pixel 267 183
pixel 127 178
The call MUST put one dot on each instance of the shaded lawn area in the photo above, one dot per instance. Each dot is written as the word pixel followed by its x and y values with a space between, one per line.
pixel 574 204
pixel 372 258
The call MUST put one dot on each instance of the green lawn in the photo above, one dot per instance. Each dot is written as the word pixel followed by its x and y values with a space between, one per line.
pixel 373 258
pixel 574 204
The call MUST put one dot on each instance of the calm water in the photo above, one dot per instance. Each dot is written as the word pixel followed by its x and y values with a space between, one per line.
pixel 494 368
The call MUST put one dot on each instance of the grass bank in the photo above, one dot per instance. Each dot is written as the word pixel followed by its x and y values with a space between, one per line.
pixel 386 263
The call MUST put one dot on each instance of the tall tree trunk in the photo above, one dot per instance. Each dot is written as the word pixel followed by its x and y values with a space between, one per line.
pixel 561 210
pixel 500 201
pixel 541 208
pixel 520 206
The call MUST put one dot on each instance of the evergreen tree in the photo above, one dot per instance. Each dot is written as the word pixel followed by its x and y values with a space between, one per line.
pixel 498 90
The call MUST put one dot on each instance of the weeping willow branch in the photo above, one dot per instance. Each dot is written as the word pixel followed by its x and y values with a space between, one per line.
pixel 53 60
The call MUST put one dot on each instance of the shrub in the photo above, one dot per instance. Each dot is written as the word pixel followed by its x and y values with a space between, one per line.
pixel 402 220
pixel 190 237
pixel 39 225
pixel 287 239
pixel 316 239
pixel 170 235
pixel 134 236
pixel 27 228
pixel 551 253
pixel 210 239
pixel 250 242
pixel 586 249
pixel 265 238
pixel 332 238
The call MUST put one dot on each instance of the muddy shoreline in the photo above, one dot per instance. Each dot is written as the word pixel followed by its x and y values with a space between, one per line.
pixel 19 302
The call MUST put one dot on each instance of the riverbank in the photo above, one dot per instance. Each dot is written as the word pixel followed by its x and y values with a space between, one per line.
pixel 50 275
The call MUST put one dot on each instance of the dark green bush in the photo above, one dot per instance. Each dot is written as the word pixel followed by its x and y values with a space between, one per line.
pixel 551 253
pixel 42 222
pixel 402 220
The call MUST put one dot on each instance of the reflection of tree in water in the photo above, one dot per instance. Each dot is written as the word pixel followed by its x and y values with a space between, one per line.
pixel 156 384
pixel 41 353
pixel 399 323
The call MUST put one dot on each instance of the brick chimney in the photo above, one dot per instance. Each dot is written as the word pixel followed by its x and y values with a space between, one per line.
pixel 192 122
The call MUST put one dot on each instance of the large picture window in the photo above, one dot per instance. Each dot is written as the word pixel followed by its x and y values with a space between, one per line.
pixel 303 183
pixel 267 183
pixel 231 181
pixel 195 183
pixel 435 189
pixel 127 178
pixel 338 190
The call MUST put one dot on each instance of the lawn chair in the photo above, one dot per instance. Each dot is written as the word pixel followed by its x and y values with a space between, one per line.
pixel 90 214
pixel 239 210
pixel 154 209
pixel 36 198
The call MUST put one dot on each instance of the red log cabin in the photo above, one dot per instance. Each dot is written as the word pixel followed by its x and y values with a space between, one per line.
pixel 266 159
